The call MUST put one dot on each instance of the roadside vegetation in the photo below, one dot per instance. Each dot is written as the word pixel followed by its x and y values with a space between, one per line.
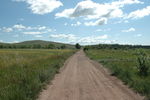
pixel 23 73
pixel 131 65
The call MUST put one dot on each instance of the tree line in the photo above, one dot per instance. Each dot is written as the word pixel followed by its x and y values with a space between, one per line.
pixel 114 46
pixel 32 46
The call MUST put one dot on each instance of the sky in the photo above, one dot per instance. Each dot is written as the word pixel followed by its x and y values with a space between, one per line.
pixel 76 21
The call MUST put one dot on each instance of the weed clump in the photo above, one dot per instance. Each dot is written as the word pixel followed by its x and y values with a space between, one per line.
pixel 143 67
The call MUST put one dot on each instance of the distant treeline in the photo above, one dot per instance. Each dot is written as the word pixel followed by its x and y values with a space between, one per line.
pixel 32 46
pixel 115 46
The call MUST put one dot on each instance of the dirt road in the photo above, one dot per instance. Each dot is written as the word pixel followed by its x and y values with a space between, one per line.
pixel 83 79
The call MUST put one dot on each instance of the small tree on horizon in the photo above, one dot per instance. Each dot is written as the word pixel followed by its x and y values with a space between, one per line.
pixel 77 46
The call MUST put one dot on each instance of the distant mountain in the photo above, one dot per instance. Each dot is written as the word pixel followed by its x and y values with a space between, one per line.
pixel 36 44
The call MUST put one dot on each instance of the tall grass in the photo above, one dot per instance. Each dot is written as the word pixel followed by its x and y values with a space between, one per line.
pixel 123 64
pixel 23 73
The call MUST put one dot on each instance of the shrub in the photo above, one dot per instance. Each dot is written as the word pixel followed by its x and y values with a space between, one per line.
pixel 77 46
pixel 142 64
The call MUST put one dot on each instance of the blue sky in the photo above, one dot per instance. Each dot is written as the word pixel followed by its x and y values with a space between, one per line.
pixel 72 21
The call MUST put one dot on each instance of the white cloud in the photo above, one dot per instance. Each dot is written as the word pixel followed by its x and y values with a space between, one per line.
pixel 41 28
pixel 92 10
pixel 14 42
pixel 98 22
pixel 38 36
pixel 125 2
pixel 129 30
pixel 65 24
pixel 140 13
pixel 7 29
pixel 1 41
pixel 95 39
pixel 33 33
pixel 64 36
pixel 138 35
pixel 71 38
pixel 21 19
pixel 103 30
pixel 76 24
pixel 121 21
pixel 16 35
pixel 126 21
pixel 42 6
pixel 50 30
pixel 66 13
pixel 19 27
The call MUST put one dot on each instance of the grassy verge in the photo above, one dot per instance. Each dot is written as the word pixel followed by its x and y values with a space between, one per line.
pixel 123 64
pixel 23 73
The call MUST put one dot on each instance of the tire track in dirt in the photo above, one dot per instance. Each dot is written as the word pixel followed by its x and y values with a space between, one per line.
pixel 84 79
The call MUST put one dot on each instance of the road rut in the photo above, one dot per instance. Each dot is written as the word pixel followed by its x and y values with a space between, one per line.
pixel 84 79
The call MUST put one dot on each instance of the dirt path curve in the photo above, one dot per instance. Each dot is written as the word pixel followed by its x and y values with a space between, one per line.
pixel 83 79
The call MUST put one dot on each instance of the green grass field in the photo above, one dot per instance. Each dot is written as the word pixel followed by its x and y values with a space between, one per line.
pixel 123 64
pixel 23 73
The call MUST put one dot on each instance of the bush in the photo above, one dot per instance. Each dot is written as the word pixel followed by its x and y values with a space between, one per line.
pixel 77 46
pixel 142 64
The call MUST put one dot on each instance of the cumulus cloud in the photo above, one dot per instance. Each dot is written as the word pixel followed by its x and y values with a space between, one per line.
pixel 121 21
pixel 76 24
pixel 7 29
pixel 42 6
pixel 14 42
pixel 42 28
pixel 121 3
pixel 103 30
pixel 71 38
pixel 92 10
pixel 38 36
pixel 63 36
pixel 1 41
pixel 65 24
pixel 24 29
pixel 16 35
pixel 138 35
pixel 129 30
pixel 33 33
pixel 93 39
pixel 19 26
pixel 98 22
pixel 139 13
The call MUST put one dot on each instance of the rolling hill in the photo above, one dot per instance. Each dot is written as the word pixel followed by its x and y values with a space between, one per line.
pixel 37 44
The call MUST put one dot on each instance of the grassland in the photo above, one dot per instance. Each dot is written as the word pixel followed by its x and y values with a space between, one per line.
pixel 123 64
pixel 23 73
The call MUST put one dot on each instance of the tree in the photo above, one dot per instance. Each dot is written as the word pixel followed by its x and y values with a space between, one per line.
pixel 85 48
pixel 77 46
pixel 36 46
pixel 51 46
pixel 63 46
pixel 1 46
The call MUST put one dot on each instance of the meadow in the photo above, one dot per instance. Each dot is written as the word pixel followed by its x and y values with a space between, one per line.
pixel 24 73
pixel 125 65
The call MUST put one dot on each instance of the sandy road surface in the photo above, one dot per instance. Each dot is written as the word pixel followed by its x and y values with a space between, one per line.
pixel 83 79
